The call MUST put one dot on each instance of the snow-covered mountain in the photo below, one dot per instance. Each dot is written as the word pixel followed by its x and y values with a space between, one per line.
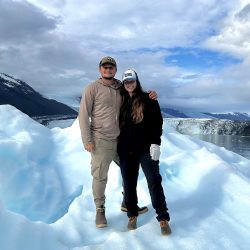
pixel 20 95
pixel 209 126
pixel 234 116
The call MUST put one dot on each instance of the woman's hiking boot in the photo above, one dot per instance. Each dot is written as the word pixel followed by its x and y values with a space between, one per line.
pixel 132 223
pixel 141 210
pixel 165 228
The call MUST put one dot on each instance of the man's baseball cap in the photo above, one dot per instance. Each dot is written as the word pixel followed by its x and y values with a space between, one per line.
pixel 107 60
pixel 129 75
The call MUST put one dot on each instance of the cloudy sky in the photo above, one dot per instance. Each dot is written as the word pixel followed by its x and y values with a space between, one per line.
pixel 195 54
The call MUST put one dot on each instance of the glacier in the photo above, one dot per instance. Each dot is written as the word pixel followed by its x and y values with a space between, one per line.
pixel 209 126
pixel 46 198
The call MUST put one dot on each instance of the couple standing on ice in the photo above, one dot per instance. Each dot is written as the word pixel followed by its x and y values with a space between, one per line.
pixel 120 122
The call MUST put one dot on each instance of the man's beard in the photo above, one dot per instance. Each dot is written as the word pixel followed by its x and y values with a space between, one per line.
pixel 108 78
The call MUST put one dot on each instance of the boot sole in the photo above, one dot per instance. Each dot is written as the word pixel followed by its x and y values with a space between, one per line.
pixel 101 225
pixel 166 230
pixel 165 234
pixel 140 211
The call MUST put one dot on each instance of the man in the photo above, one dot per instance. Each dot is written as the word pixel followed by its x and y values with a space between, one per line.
pixel 99 124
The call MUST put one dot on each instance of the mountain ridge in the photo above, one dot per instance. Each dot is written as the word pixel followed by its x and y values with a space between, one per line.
pixel 22 96
pixel 176 113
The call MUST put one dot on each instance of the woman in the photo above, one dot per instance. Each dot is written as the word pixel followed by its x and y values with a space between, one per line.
pixel 139 143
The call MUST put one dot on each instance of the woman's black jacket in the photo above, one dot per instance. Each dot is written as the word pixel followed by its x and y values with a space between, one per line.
pixel 137 138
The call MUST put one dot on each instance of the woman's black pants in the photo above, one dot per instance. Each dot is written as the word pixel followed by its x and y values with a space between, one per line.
pixel 129 164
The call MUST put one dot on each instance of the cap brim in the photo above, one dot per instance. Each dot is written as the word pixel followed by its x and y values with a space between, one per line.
pixel 129 79
pixel 107 63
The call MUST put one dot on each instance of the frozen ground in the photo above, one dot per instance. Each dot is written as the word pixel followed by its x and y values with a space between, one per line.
pixel 46 201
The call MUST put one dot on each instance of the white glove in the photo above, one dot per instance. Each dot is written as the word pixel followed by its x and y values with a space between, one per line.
pixel 155 152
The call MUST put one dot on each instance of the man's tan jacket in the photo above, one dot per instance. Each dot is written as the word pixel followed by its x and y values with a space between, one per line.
pixel 99 111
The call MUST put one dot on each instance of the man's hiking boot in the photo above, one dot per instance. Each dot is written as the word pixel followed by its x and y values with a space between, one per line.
pixel 132 223
pixel 165 228
pixel 100 219
pixel 141 210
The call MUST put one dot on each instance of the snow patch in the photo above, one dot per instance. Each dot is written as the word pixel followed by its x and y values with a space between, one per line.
pixel 46 196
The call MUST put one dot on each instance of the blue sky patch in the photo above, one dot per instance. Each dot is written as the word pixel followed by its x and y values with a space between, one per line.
pixel 195 58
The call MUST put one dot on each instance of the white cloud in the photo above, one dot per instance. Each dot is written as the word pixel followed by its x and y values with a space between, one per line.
pixel 234 37
pixel 143 23
pixel 22 23
pixel 59 53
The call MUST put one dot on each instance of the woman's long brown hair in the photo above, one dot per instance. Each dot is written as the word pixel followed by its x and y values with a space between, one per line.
pixel 138 104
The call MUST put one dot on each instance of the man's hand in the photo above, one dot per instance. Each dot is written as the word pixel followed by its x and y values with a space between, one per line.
pixel 152 94
pixel 90 147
